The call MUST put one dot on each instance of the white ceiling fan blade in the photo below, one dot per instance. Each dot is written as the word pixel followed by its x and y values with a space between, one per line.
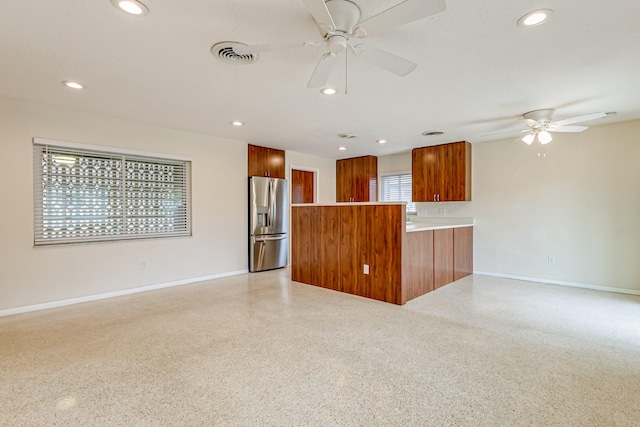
pixel 530 122
pixel 385 60
pixel 518 139
pixel 320 13
pixel 400 14
pixel 578 119
pixel 259 48
pixel 506 133
pixel 567 129
pixel 322 71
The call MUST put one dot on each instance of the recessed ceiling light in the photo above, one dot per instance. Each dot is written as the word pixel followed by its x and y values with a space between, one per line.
pixel 72 85
pixel 432 133
pixel 237 123
pixel 328 91
pixel 342 148
pixel 535 18
pixel 381 141
pixel 132 7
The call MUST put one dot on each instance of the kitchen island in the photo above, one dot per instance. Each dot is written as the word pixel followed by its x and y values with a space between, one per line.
pixel 369 249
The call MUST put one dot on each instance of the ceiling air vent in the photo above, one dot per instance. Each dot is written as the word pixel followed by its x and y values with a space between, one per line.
pixel 432 133
pixel 225 52
pixel 347 135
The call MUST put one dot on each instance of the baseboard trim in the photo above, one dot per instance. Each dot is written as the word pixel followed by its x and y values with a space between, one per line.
pixel 561 283
pixel 62 303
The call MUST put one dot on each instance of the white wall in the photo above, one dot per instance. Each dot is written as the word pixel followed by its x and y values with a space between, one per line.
pixel 579 201
pixel 31 275
pixel 400 162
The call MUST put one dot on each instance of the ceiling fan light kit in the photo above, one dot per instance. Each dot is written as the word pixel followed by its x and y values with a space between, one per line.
pixel 539 124
pixel 544 137
pixel 528 138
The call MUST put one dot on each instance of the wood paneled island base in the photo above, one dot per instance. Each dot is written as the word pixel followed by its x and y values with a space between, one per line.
pixel 332 246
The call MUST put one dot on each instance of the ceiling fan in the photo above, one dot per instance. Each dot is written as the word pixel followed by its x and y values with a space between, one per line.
pixel 539 123
pixel 339 23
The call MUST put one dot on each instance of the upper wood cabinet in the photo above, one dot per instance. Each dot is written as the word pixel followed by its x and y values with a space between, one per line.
pixel 265 161
pixel 357 179
pixel 442 173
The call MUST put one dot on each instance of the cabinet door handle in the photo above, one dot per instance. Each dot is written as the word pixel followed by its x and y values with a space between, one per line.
pixel 438 196
pixel 434 198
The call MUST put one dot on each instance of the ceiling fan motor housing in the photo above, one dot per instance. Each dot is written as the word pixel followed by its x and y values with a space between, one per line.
pixel 345 15
pixel 337 43
pixel 540 115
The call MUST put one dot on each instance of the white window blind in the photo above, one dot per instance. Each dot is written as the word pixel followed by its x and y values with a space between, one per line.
pixel 397 188
pixel 86 196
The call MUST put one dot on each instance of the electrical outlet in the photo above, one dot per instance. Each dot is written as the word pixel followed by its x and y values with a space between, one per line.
pixel 143 265
pixel 442 211
pixel 366 269
pixel 551 260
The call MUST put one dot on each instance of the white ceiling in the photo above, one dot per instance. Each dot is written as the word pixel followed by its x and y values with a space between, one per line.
pixel 478 72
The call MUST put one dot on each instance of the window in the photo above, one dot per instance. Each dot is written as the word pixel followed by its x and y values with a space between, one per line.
pixel 87 195
pixel 397 188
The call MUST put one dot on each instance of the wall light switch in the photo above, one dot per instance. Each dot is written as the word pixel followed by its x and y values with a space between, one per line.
pixel 366 269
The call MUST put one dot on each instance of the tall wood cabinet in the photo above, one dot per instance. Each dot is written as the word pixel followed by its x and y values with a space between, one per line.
pixel 264 161
pixel 357 179
pixel 442 173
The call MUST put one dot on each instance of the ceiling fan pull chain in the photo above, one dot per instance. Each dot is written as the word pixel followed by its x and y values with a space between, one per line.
pixel 346 71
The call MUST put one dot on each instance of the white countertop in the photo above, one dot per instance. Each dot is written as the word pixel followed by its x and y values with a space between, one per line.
pixel 437 223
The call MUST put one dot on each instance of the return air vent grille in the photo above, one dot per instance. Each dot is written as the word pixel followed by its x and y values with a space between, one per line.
pixel 225 52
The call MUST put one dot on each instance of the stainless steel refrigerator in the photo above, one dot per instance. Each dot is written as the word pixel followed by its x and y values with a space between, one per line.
pixel 268 223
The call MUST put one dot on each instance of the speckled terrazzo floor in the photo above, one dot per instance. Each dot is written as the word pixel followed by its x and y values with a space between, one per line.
pixel 259 350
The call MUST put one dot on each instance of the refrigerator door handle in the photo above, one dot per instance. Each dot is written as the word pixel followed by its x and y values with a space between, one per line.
pixel 272 203
pixel 269 238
